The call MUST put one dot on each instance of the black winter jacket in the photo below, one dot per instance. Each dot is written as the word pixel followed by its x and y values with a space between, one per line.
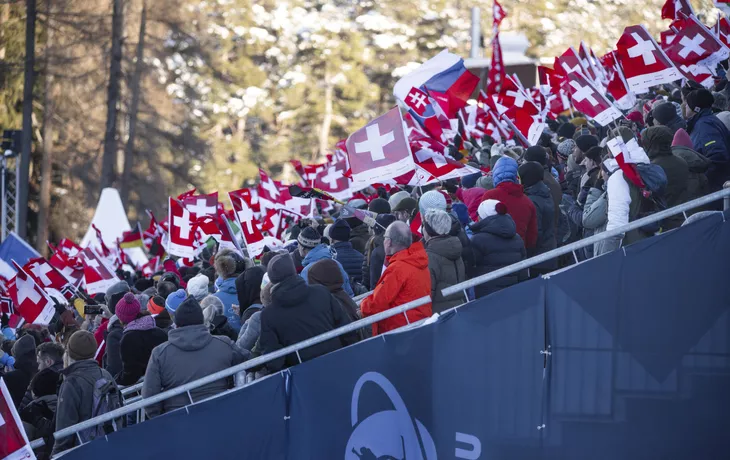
pixel 299 312
pixel 220 326
pixel 496 244
pixel 26 366
pixel 113 339
pixel 359 237
pixel 447 269
pixel 136 347
pixel 350 259
pixel 373 268
pixel 541 197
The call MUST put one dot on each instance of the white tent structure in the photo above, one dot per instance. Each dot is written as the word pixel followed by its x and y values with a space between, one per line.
pixel 112 221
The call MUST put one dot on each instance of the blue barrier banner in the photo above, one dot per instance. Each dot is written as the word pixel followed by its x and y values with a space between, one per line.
pixel 15 248
pixel 640 362
pixel 246 424
pixel 469 386
pixel 626 356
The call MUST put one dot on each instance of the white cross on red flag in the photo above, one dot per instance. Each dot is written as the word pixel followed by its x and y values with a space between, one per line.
pixel 497 72
pixel 570 62
pixel 619 89
pixel 47 277
pixel 498 14
pixel 252 236
pixel 181 241
pixel 98 276
pixel 379 151
pixel 722 30
pixel 333 181
pixel 694 44
pixel 672 8
pixel 72 268
pixel 700 74
pixel 643 62
pixel 201 205
pixel 31 301
pixel 590 101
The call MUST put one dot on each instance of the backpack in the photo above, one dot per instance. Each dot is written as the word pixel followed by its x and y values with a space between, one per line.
pixel 655 184
pixel 106 399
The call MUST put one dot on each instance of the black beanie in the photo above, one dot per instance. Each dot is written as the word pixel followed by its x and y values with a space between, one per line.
pixel 189 313
pixel 280 268
pixel 594 153
pixel 537 154
pixel 531 173
pixel 566 130
pixel 45 383
pixel 664 112
pixel 114 294
pixel 340 230
pixel 700 99
pixel 378 206
pixel 586 141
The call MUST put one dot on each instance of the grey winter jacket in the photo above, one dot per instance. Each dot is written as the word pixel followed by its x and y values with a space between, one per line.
pixel 190 353
pixel 447 269
pixel 76 398
pixel 250 332
pixel 595 216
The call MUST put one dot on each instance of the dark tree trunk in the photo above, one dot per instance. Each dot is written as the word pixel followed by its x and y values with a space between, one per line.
pixel 27 142
pixel 109 158
pixel 133 110
pixel 44 202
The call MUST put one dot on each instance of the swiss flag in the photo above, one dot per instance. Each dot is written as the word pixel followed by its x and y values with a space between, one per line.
pixel 666 38
pixel 643 62
pixel 619 90
pixel 333 181
pixel 68 247
pixel 590 101
pixel 672 8
pixel 14 445
pixel 201 205
pixel 31 301
pixel 585 60
pixel 570 62
pixel 699 73
pixel 252 236
pixel 695 44
pixel 498 14
pixel 151 267
pixel 181 240
pixel 98 276
pixel 47 277
pixel 72 268
pixel 549 79
pixel 379 151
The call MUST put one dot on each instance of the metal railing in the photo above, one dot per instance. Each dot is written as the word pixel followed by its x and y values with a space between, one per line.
pixel 137 387
pixel 225 373
pixel 572 247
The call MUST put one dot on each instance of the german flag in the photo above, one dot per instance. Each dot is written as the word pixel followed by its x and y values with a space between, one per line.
pixel 132 238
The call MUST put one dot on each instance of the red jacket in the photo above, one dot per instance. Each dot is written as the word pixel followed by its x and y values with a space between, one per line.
pixel 406 278
pixel 519 206
pixel 99 336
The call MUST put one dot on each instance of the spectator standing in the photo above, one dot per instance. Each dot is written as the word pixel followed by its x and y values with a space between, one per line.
pixel 227 267
pixel 312 250
pixel 374 260
pixel 531 174
pixel 445 263
pixel 657 142
pixel 350 259
pixel 141 335
pixel 406 278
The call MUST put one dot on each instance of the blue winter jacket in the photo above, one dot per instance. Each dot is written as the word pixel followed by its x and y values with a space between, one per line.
pixel 711 138
pixel 319 252
pixel 350 259
pixel 227 294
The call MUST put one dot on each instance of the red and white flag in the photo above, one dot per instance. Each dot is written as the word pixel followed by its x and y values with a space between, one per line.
pixel 333 181
pixel 98 276
pixel 497 72
pixel 701 74
pixel 722 30
pixel 590 101
pixel 570 62
pixel 379 151
pixel 498 14
pixel 252 236
pixel 181 241
pixel 31 301
pixel 14 445
pixel 201 205
pixel 68 247
pixel 694 44
pixel 72 268
pixel 151 267
pixel 584 57
pixel 269 192
pixel 643 62
pixel 47 277
pixel 672 8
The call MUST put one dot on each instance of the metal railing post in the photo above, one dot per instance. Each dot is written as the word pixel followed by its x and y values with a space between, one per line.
pixel 726 201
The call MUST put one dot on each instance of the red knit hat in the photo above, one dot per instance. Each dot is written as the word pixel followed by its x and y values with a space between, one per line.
pixel 128 308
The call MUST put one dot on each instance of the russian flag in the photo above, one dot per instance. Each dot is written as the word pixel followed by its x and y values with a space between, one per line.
pixel 442 76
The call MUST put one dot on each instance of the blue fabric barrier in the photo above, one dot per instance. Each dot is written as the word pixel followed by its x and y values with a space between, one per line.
pixel 638 366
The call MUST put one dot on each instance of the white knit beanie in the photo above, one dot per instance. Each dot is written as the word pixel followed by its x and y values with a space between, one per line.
pixel 488 208
pixel 432 199
pixel 198 287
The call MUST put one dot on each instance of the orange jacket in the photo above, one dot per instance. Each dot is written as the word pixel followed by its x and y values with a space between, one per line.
pixel 406 278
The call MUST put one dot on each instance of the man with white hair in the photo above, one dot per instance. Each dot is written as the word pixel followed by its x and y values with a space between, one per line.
pixel 406 278
pixel 444 259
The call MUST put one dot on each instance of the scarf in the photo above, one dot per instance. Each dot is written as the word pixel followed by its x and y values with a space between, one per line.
pixel 144 323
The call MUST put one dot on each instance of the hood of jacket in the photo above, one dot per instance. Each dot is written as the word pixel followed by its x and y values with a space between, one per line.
pixel 319 252
pixel 359 231
pixel 291 292
pixel 697 162
pixel 248 287
pixel 657 141
pixel 190 338
pixel 228 286
pixel 415 256
pixel 24 353
pixel 697 117
pixel 471 195
pixel 445 246
pixel 511 188
pixel 501 225
pixel 539 189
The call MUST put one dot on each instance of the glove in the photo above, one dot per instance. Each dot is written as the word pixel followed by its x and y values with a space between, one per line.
pixel 6 360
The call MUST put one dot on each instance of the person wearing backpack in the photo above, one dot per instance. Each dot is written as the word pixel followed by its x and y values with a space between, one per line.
pixel 87 391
